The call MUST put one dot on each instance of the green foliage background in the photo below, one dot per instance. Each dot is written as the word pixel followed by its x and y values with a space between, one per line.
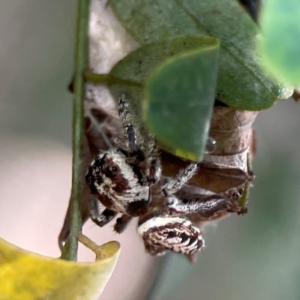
pixel 250 257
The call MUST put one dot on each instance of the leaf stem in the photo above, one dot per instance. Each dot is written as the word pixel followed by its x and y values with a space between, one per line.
pixel 81 64
pixel 109 79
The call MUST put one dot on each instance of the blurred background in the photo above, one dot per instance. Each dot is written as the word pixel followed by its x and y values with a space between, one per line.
pixel 255 256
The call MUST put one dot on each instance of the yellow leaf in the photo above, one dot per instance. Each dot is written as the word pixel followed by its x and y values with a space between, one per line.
pixel 29 276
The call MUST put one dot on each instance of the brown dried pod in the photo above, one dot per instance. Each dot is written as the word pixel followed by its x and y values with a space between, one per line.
pixel 226 167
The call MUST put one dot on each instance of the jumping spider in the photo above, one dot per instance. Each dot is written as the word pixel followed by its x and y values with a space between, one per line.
pixel 127 179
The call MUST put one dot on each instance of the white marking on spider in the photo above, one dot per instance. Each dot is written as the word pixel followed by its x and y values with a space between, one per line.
pixel 162 221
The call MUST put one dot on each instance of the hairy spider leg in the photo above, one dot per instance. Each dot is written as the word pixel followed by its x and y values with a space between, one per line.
pixel 98 215
pixel 136 143
pixel 172 186
pixel 205 206
pixel 130 131
pixel 153 167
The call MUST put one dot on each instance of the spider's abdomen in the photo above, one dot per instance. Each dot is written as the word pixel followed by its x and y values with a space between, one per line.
pixel 174 233
pixel 117 184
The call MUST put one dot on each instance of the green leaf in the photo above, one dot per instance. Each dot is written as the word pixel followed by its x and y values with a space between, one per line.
pixel 29 276
pixel 241 82
pixel 179 79
pixel 279 45
pixel 179 98
pixel 137 65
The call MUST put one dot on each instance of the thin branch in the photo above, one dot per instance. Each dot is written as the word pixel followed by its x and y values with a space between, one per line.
pixel 81 64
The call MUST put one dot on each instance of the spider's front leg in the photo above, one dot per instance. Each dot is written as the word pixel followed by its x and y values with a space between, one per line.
pixel 153 164
pixel 140 148
pixel 206 207
pixel 131 133
pixel 98 215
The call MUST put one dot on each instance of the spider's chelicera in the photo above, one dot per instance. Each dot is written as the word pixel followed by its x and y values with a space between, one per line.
pixel 128 180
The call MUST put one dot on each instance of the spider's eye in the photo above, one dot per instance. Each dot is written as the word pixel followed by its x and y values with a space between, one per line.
pixel 113 169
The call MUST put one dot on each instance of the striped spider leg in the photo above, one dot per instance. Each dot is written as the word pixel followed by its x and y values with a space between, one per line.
pixel 205 206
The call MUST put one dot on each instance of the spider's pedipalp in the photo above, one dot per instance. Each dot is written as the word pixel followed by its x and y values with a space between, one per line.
pixel 98 215
pixel 122 223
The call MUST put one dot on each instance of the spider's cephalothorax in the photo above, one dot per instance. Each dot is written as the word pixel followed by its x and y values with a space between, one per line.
pixel 118 185
pixel 123 180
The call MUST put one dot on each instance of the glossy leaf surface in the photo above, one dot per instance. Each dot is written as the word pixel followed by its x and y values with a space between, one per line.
pixel 241 82
pixel 179 99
